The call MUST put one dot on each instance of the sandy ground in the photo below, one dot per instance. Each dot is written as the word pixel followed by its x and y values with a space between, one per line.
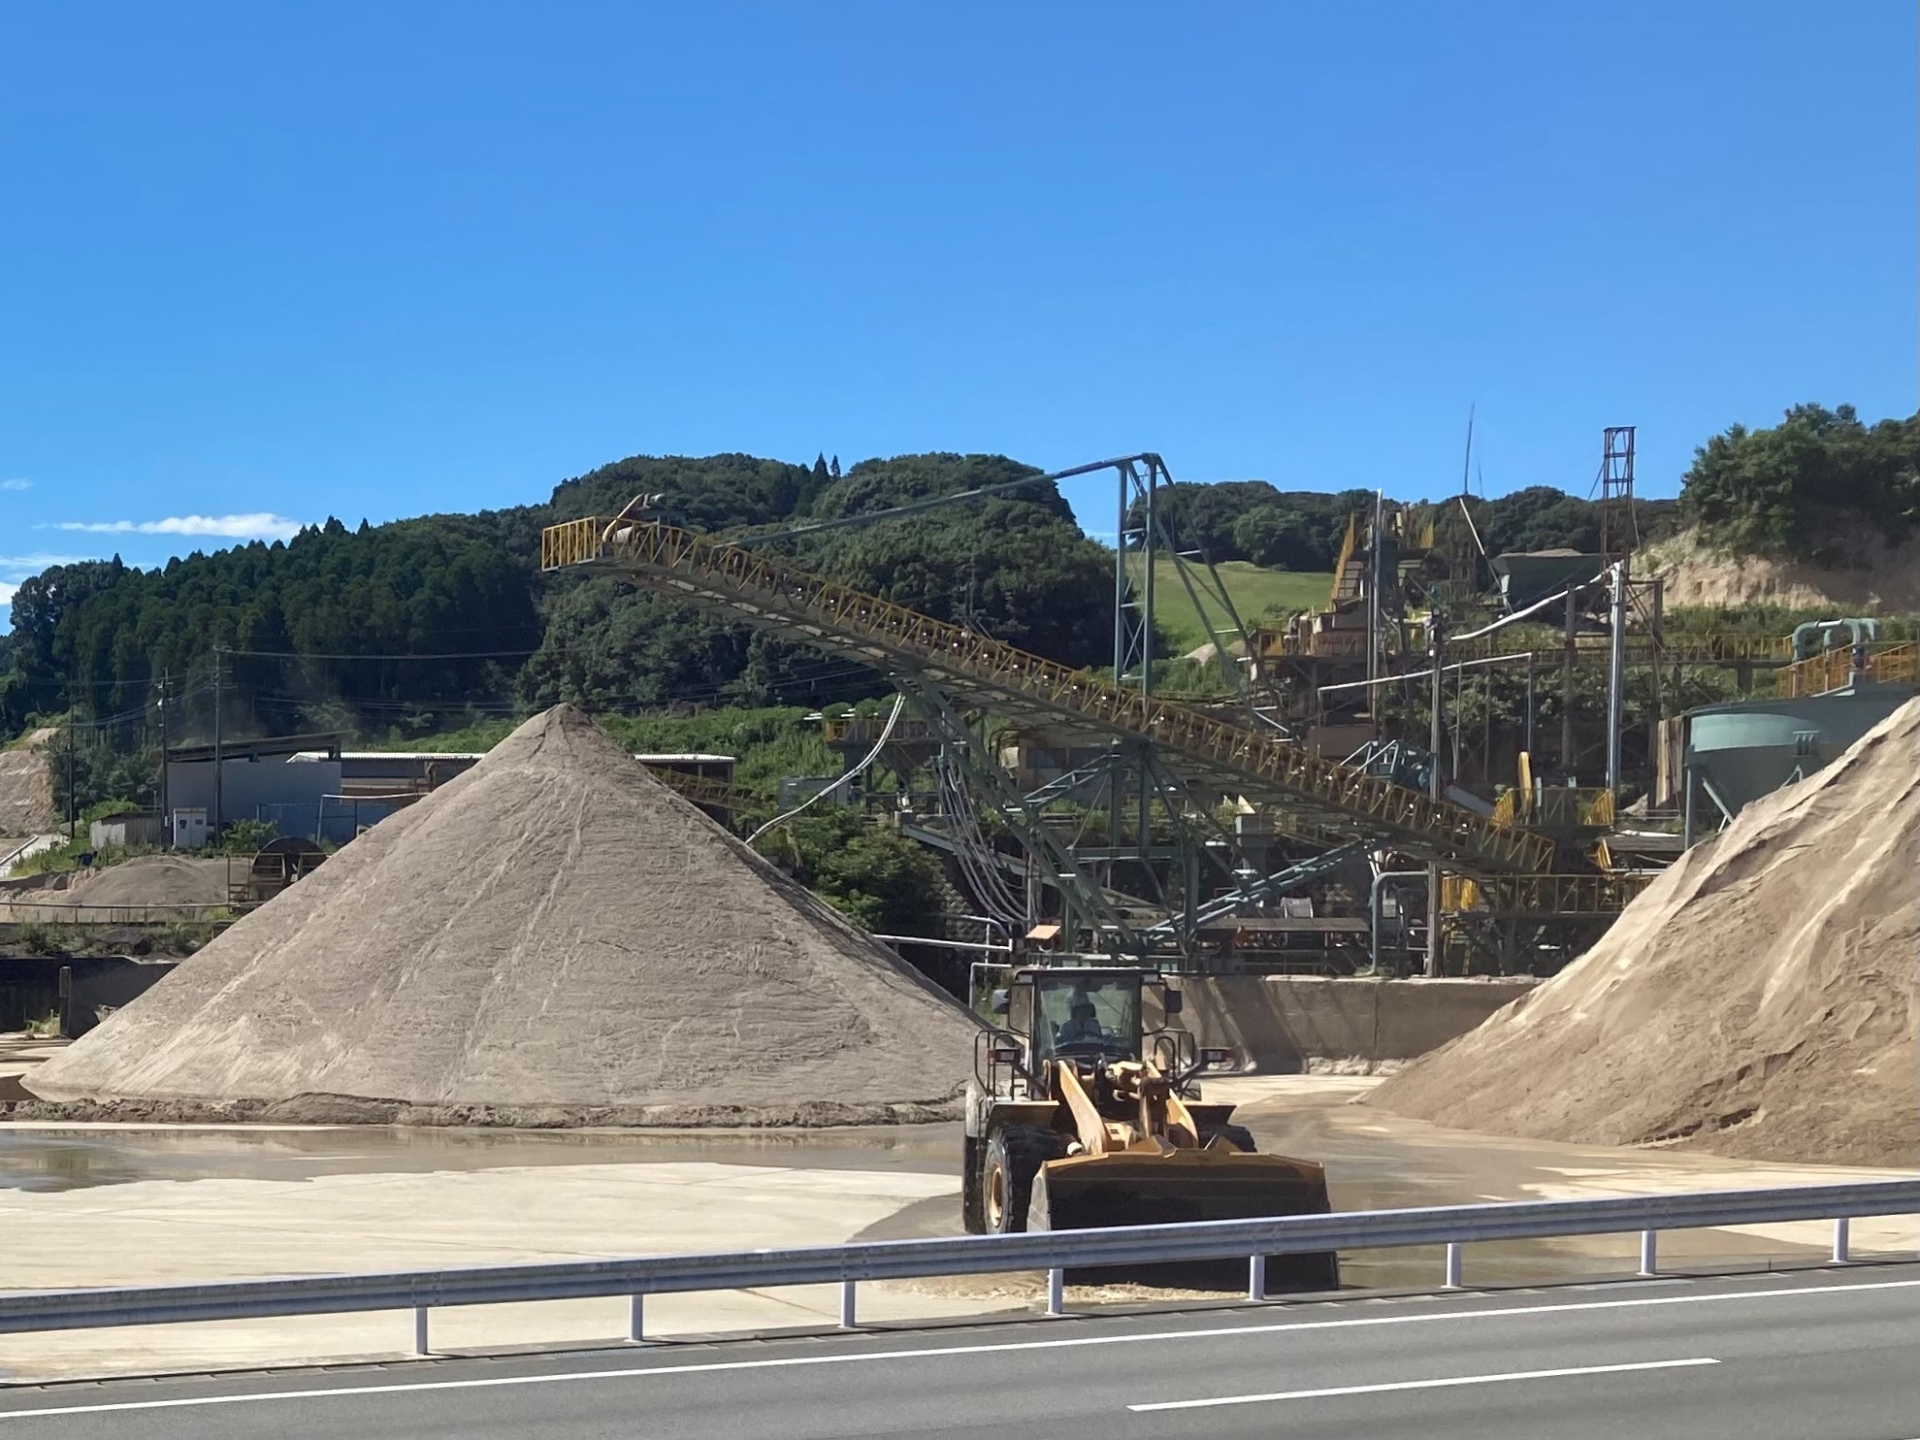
pixel 110 1205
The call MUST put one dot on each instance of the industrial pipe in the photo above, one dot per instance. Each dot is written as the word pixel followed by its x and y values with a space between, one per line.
pixel 1373 907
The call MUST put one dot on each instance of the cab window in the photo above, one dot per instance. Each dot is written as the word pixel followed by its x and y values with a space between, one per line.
pixel 1088 1016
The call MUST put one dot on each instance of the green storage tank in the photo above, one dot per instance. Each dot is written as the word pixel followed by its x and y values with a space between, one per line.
pixel 1737 753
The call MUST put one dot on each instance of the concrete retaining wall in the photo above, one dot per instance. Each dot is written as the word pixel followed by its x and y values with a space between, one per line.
pixel 92 988
pixel 1283 1023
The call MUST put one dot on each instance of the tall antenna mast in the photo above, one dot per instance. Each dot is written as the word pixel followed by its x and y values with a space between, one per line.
pixel 1466 464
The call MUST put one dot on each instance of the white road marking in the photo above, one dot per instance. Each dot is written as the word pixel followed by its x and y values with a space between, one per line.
pixel 1441 1384
pixel 937 1352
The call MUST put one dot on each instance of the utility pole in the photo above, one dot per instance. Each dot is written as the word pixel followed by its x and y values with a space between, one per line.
pixel 219 766
pixel 1436 646
pixel 1657 639
pixel 1373 607
pixel 166 810
pixel 1530 709
pixel 73 809
pixel 1566 694
pixel 1616 669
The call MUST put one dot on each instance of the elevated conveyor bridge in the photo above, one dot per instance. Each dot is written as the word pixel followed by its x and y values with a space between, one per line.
pixel 1230 758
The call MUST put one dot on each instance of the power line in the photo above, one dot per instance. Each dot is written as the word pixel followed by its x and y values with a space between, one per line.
pixel 450 655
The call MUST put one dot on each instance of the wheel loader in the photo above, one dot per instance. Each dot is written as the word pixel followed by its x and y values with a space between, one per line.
pixel 1083 1114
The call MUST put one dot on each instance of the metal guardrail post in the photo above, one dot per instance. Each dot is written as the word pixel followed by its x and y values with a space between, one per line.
pixel 1841 1238
pixel 1256 1277
pixel 1649 1252
pixel 420 1346
pixel 1452 1280
pixel 1056 1291
pixel 847 1316
pixel 636 1319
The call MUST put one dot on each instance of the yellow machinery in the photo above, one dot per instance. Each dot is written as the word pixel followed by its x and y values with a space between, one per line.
pixel 1083 1115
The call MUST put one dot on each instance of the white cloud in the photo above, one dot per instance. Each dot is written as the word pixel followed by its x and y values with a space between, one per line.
pixel 6 592
pixel 16 484
pixel 260 526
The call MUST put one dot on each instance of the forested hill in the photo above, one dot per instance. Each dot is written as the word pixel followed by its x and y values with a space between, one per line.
pixel 422 625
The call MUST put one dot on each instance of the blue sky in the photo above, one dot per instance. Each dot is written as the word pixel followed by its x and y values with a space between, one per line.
pixel 269 263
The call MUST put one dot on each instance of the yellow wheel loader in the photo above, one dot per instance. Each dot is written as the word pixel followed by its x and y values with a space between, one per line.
pixel 1085 1111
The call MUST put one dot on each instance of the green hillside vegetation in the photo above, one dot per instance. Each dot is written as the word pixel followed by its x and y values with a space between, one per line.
pixel 1810 488
pixel 1258 594
pixel 425 628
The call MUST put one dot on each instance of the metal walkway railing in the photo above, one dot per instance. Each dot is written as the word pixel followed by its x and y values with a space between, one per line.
pixel 1890 664
pixel 1234 759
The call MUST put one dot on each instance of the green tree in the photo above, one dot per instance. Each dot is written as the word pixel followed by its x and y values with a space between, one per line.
pixel 1812 487
pixel 1278 538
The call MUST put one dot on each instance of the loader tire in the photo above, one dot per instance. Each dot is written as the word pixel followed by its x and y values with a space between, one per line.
pixel 1015 1154
pixel 973 1211
pixel 1236 1135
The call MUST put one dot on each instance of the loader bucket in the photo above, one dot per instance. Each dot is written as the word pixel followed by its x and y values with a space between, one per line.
pixel 1085 1192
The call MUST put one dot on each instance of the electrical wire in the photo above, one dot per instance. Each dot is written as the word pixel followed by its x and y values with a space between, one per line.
pixel 886 734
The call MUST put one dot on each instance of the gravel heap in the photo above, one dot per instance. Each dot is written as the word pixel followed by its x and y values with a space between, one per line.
pixel 150 880
pixel 1758 1000
pixel 554 937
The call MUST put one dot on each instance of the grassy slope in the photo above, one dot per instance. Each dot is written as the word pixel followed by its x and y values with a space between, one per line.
pixel 1256 593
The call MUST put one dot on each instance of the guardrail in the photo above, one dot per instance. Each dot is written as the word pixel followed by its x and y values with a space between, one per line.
pixel 1053 1251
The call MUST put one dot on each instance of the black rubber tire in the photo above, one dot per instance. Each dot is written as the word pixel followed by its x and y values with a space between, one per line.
pixel 973 1206
pixel 1237 1135
pixel 1014 1156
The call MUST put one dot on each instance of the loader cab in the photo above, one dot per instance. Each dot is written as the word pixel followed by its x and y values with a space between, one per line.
pixel 1086 1016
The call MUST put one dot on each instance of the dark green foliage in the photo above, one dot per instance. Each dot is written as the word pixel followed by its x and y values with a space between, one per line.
pixel 106 770
pixel 717 492
pixel 1303 530
pixel 887 884
pixel 97 636
pixel 1014 567
pixel 1280 538
pixel 248 836
pixel 1813 487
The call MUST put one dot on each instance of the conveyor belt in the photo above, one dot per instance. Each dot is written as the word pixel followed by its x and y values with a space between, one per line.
pixel 1232 759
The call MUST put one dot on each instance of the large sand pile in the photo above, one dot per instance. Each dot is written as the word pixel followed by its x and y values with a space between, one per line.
pixel 552 937
pixel 26 791
pixel 1758 1000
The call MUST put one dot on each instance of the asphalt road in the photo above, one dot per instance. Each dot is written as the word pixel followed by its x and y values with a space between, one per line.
pixel 1824 1355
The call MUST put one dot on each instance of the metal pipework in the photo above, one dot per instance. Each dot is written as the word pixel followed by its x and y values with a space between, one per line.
pixel 1616 669
pixel 1373 907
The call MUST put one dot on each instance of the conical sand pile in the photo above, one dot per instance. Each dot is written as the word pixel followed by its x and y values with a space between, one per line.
pixel 552 932
pixel 1758 1000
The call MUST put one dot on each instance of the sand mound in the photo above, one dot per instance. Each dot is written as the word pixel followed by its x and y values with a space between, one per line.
pixel 148 880
pixel 1757 1000
pixel 26 790
pixel 553 930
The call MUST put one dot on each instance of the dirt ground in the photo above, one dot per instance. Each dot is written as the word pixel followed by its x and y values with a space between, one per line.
pixel 143 1204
